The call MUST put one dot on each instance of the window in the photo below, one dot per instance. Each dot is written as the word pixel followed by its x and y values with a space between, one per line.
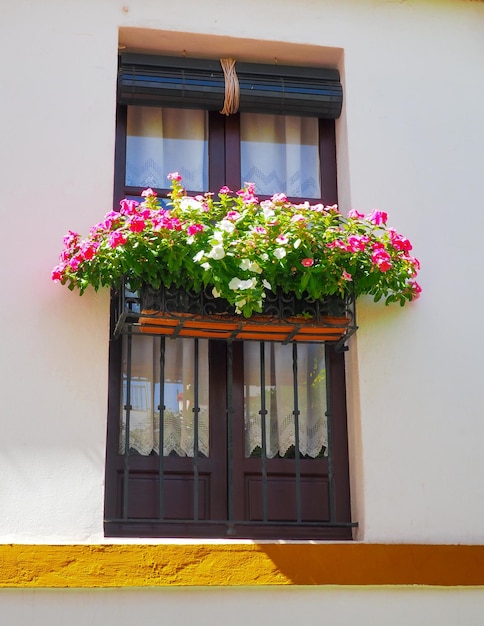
pixel 215 438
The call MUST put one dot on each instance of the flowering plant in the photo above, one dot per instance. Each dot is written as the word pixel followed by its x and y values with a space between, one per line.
pixel 242 247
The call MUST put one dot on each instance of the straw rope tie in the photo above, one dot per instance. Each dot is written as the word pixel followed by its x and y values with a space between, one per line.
pixel 232 90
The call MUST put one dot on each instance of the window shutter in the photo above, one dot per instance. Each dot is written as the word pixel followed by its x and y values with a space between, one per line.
pixel 199 83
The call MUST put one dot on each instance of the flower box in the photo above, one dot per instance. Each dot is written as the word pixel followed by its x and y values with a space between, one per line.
pixel 176 312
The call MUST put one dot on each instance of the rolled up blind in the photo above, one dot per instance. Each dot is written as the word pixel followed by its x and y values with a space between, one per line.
pixel 199 84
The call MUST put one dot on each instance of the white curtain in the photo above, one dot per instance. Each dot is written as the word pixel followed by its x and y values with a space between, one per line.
pixel 280 154
pixel 179 396
pixel 179 400
pixel 160 141
pixel 279 393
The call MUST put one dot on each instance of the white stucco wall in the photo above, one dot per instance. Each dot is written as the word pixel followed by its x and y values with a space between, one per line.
pixel 410 141
pixel 339 607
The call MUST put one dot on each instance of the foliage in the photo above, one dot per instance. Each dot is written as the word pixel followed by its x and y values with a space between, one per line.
pixel 242 247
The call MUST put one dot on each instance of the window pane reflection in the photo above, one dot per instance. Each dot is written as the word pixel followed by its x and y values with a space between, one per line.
pixel 141 370
pixel 279 399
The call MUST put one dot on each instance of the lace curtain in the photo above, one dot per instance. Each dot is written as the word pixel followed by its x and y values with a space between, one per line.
pixel 160 141
pixel 279 398
pixel 179 399
pixel 279 153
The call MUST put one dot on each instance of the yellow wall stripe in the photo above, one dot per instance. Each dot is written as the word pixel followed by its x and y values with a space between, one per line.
pixel 110 565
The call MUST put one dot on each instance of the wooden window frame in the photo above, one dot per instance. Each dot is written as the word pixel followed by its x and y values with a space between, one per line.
pixel 224 169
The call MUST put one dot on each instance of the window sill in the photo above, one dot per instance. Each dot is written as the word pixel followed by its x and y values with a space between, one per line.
pixel 239 564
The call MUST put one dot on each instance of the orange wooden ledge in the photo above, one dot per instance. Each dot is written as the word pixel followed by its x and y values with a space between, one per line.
pixel 256 327
pixel 122 565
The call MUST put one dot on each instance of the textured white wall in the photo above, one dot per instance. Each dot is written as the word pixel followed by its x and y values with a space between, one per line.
pixel 410 141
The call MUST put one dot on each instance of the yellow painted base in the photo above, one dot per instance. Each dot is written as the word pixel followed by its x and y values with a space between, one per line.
pixel 110 565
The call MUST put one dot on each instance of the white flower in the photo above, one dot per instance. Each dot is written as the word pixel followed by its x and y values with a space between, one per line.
pixel 217 252
pixel 297 243
pixel 218 236
pixel 206 265
pixel 236 284
pixel 279 253
pixel 266 284
pixel 188 203
pixel 199 256
pixel 255 267
pixel 244 264
pixel 267 213
pixel 216 293
pixel 226 225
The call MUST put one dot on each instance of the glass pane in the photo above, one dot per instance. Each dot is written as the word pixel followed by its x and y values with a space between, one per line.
pixel 280 154
pixel 160 141
pixel 141 366
pixel 278 395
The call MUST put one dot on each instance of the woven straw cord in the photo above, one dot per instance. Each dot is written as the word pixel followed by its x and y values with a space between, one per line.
pixel 232 91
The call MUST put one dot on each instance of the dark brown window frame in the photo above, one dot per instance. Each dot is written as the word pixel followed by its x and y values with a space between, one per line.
pixel 224 169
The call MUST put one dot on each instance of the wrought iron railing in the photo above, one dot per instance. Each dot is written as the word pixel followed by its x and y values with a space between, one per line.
pixel 178 312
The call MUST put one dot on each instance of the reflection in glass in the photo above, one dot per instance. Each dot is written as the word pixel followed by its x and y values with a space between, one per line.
pixel 179 396
pixel 279 398
pixel 280 154
pixel 160 141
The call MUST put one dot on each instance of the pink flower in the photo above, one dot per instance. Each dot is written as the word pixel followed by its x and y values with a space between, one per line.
pixel 128 207
pixel 74 263
pixel 58 272
pixel 298 218
pixel 377 217
pixel 357 242
pixel 247 194
pixel 224 190
pixel 147 193
pixel 282 239
pixel 193 229
pixel 346 276
pixel 116 238
pixel 174 176
pixel 307 262
pixel 416 289
pixel 71 239
pixel 232 216
pixel 260 229
pixel 354 214
pixel 279 198
pixel 137 224
pixel 399 242
pixel 337 243
pixel 88 249
pixel 382 259
pixel 415 262
pixel 109 220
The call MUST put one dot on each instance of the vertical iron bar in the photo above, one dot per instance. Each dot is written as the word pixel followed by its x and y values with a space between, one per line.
pixel 329 419
pixel 127 408
pixel 161 431
pixel 230 442
pixel 263 413
pixel 296 412
pixel 195 410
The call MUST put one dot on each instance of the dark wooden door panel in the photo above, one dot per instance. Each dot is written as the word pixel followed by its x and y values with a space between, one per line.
pixel 178 499
pixel 282 499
